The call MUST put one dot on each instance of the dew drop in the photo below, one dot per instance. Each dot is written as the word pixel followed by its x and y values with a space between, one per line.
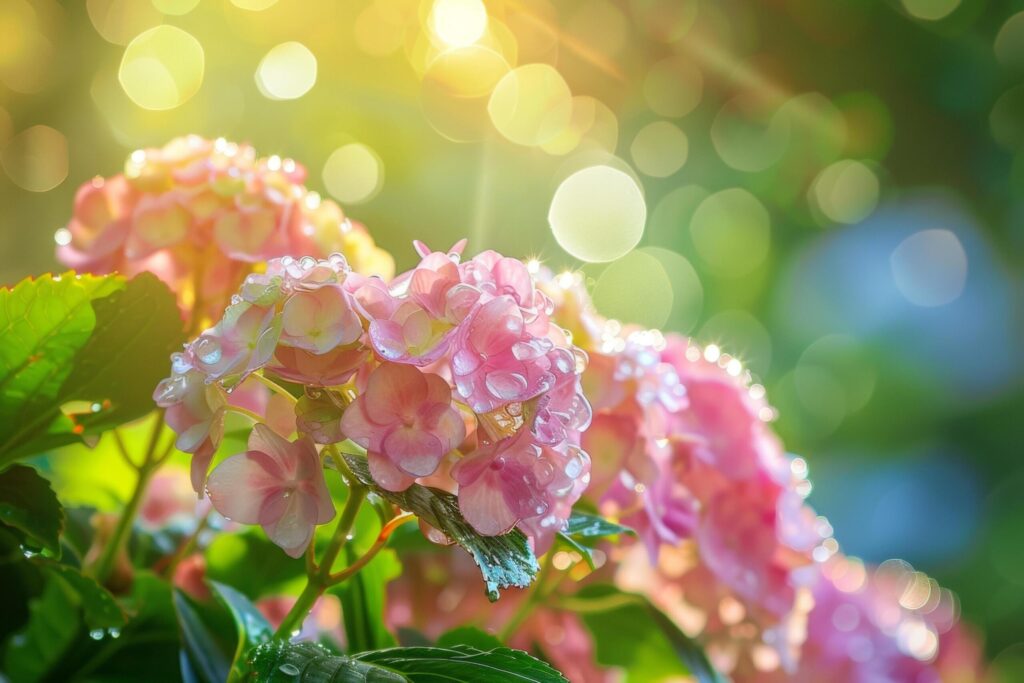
pixel 208 350
pixel 289 669
pixel 96 634
pixel 95 407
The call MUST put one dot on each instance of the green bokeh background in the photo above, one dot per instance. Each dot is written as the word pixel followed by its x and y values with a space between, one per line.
pixel 939 457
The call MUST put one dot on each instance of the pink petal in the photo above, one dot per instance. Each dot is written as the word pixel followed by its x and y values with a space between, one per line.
pixel 238 487
pixel 394 389
pixel 413 451
pixel 483 505
pixel 293 530
pixel 386 474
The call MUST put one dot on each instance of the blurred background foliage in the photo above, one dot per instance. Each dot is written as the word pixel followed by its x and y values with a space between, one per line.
pixel 831 191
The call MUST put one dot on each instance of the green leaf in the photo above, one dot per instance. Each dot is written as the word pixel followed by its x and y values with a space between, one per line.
pixel 137 330
pixel 204 653
pixel 250 562
pixel 655 647
pixel 51 630
pixel 250 624
pixel 587 525
pixel 362 601
pixel 504 560
pixel 309 663
pixel 28 504
pixel 467 635
pixel 94 341
pixel 99 608
pixel 583 526
pixel 44 323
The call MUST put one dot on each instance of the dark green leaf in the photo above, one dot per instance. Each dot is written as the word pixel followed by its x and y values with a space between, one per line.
pixel 250 625
pixel 655 647
pixel 99 608
pixel 504 560
pixel 309 663
pixel 44 323
pixel 28 504
pixel 208 661
pixel 362 601
pixel 587 525
pixel 52 628
pixel 467 635
pixel 127 355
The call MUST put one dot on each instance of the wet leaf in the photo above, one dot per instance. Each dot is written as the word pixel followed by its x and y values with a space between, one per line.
pixel 28 504
pixel 504 561
pixel 251 626
pixel 584 526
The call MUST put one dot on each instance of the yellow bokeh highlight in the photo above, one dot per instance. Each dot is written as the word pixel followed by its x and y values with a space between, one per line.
pixel 36 159
pixel 846 191
pixel 162 68
pixel 378 31
pixel 26 52
pixel 531 105
pixel 597 214
pixel 455 91
pixel 353 174
pixel 659 149
pixel 175 7
pixel 254 5
pixel 118 21
pixel 930 10
pixel 584 113
pixel 731 231
pixel 458 23
pixel 635 289
pixel 286 72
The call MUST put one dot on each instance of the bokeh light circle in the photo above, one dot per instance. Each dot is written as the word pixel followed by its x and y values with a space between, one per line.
pixel 1007 118
pixel 36 159
pixel 659 149
pixel 584 114
pixel 254 5
pixel 531 104
pixel 635 289
pixel 673 87
pixel 175 7
pixel 749 137
pixel 930 267
pixel 455 90
pixel 287 71
pixel 846 191
pixel 353 173
pixel 597 214
pixel 687 291
pixel 1009 44
pixel 118 21
pixel 742 336
pixel 930 10
pixel 162 68
pixel 731 231
pixel 458 23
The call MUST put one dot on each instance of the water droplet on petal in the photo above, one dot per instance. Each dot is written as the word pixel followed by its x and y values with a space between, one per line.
pixel 506 385
pixel 289 669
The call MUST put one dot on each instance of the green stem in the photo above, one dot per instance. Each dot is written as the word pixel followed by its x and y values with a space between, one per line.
pixel 320 578
pixel 244 411
pixel 536 596
pixel 274 386
pixel 105 563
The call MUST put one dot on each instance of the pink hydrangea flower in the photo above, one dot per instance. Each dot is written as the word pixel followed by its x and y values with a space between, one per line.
pixel 241 342
pixel 277 484
pixel 496 361
pixel 195 411
pixel 406 422
pixel 518 479
pixel 200 213
pixel 320 320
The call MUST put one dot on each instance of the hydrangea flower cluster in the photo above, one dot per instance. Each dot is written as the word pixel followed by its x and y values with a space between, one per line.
pixel 886 624
pixel 683 453
pixel 200 214
pixel 452 371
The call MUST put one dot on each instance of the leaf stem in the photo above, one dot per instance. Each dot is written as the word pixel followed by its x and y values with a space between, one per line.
pixel 536 596
pixel 246 412
pixel 274 386
pixel 320 578
pixel 105 563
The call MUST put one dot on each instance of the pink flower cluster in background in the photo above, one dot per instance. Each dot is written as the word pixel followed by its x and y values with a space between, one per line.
pixel 200 214
pixel 887 624
pixel 451 371
pixel 683 453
